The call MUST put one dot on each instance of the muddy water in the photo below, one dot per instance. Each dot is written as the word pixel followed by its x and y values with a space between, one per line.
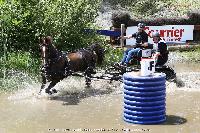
pixel 97 109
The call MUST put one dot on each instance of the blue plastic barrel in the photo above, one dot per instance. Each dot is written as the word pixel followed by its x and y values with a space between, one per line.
pixel 144 98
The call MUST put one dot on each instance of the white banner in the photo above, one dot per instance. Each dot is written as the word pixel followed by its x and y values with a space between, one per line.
pixel 169 33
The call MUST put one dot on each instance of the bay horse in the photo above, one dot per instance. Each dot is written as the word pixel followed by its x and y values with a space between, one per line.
pixel 57 65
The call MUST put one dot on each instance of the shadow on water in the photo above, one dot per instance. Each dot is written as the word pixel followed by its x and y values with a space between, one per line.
pixel 73 98
pixel 174 120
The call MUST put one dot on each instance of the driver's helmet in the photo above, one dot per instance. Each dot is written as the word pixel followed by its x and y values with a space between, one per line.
pixel 155 34
pixel 141 25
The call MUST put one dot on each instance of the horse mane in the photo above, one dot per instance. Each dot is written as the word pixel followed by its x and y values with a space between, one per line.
pixel 98 49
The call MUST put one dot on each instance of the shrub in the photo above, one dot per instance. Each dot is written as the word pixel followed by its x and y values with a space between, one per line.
pixel 22 22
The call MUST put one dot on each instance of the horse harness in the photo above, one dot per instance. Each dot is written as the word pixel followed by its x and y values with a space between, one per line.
pixel 65 71
pixel 48 72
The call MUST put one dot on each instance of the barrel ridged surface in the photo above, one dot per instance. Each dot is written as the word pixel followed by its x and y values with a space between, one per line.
pixel 144 98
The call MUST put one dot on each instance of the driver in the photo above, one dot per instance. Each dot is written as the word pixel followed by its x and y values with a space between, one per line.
pixel 141 41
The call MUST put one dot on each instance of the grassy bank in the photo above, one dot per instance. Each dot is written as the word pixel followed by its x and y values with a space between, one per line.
pixel 192 55
pixel 20 61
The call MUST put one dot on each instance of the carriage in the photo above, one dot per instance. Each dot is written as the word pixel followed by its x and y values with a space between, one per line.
pixel 58 65
pixel 116 71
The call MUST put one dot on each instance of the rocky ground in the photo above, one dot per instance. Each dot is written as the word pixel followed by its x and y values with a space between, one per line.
pixel 188 72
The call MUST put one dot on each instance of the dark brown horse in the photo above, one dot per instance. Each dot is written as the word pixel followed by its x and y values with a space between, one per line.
pixel 57 65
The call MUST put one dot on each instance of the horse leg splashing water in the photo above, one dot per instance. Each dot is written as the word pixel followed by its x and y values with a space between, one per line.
pixel 51 61
pixel 56 65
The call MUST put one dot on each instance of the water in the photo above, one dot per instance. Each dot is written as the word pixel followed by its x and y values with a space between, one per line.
pixel 97 109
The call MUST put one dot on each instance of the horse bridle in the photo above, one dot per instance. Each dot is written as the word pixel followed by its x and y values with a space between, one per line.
pixel 47 62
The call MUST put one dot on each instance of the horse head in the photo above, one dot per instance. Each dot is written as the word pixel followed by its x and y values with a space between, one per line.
pixel 99 50
pixel 48 50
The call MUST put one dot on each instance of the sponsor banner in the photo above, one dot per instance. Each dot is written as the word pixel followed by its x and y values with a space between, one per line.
pixel 169 33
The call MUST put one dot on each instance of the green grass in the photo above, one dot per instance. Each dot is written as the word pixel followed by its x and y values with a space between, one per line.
pixel 191 55
pixel 20 61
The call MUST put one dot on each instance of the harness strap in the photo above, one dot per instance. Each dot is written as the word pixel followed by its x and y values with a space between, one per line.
pixel 67 71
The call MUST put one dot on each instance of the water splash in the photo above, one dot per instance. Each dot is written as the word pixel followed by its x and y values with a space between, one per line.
pixel 15 80
pixel 69 89
pixel 23 86
pixel 191 82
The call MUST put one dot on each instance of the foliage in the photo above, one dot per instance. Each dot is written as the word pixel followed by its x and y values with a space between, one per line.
pixel 112 55
pixel 23 22
pixel 20 61
pixel 145 7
